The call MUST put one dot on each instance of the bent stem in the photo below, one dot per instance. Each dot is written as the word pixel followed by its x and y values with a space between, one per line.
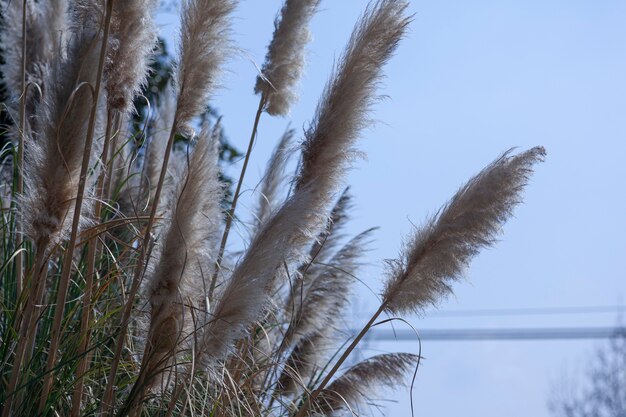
pixel 311 398
pixel 67 260
pixel 231 213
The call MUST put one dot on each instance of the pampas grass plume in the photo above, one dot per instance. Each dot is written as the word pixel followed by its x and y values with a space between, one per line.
pixel 354 387
pixel 245 294
pixel 55 158
pixel 284 62
pixel 273 179
pixel 438 253
pixel 176 281
pixel 204 46
pixel 343 109
pixel 45 23
pixel 129 53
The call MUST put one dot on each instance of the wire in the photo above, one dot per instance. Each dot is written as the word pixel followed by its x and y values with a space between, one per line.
pixel 567 333
pixel 527 311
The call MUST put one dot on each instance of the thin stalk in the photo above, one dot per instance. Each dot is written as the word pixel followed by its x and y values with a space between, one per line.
pixel 67 260
pixel 236 368
pixel 139 269
pixel 29 320
pixel 92 253
pixel 108 182
pixel 307 404
pixel 37 295
pixel 176 395
pixel 19 264
pixel 284 345
pixel 231 213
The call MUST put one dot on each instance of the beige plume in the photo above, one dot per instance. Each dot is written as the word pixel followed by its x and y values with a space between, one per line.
pixel 204 46
pixel 273 179
pixel 284 62
pixel 438 252
pixel 343 109
pixel 354 387
pixel 54 159
pixel 175 284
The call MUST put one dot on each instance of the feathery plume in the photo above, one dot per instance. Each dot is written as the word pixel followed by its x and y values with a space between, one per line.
pixel 6 180
pixel 309 356
pixel 174 286
pixel 273 179
pixel 284 62
pixel 45 24
pixel 347 98
pixel 327 296
pixel 132 40
pixel 54 160
pixel 245 294
pixel 157 146
pixel 11 37
pixel 319 255
pixel 205 40
pixel 437 254
pixel 353 387
pixel 342 111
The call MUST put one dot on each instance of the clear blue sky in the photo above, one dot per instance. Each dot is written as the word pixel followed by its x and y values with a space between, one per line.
pixel 472 79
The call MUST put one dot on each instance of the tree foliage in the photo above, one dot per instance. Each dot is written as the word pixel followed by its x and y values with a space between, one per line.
pixel 603 391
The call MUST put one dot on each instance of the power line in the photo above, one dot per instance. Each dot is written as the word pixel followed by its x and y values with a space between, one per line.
pixel 527 311
pixel 449 335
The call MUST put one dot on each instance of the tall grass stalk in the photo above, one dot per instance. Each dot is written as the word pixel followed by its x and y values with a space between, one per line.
pixel 231 212
pixel 19 262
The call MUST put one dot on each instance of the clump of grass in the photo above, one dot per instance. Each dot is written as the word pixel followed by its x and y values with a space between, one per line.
pixel 116 292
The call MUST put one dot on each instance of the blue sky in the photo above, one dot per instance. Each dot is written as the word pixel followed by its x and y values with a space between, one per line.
pixel 472 79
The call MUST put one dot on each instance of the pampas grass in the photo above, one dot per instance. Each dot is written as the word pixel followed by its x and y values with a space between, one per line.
pixel 173 290
pixel 129 303
pixel 274 178
pixel 355 387
pixel 204 46
pixel 284 62
pixel 439 251
pixel 343 109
